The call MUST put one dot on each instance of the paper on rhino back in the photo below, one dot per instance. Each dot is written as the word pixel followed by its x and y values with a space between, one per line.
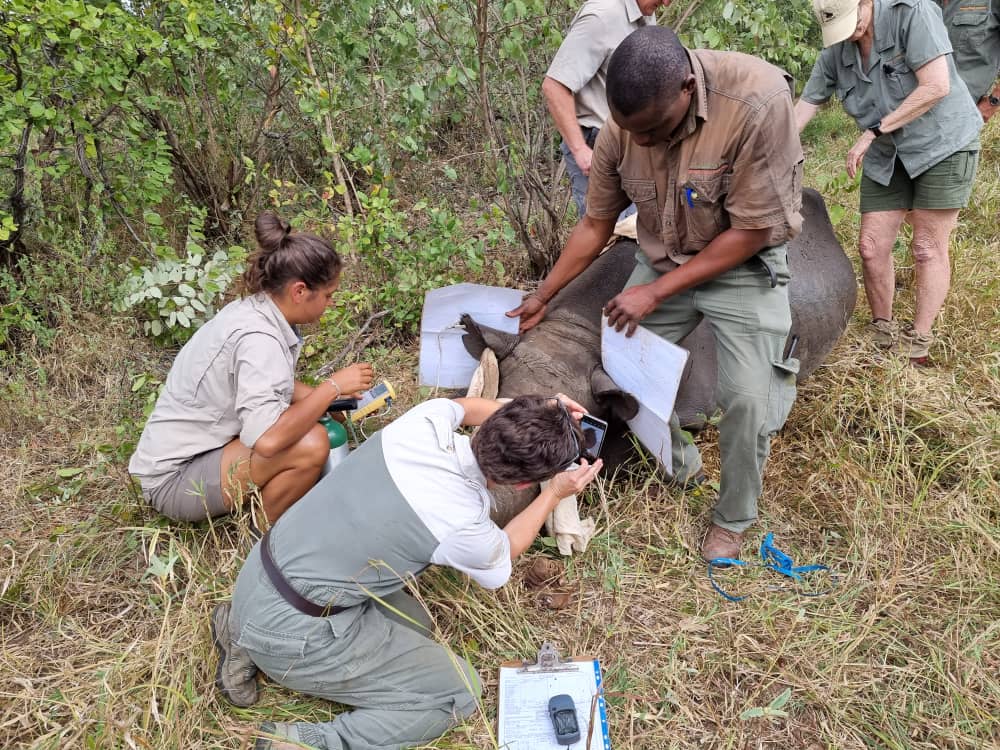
pixel 444 362
pixel 650 369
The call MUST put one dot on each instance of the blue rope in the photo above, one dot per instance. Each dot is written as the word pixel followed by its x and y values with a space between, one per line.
pixel 774 559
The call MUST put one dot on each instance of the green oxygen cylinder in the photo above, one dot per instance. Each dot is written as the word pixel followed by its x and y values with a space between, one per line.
pixel 338 443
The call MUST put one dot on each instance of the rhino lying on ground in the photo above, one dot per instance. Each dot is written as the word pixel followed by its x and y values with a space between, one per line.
pixel 563 352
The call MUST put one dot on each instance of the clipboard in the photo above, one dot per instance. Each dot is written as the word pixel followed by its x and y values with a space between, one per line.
pixel 524 691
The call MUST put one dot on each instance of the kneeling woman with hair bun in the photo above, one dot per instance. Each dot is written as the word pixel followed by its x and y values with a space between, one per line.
pixel 231 411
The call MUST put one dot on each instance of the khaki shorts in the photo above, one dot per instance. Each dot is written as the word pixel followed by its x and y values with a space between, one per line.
pixel 948 184
pixel 193 492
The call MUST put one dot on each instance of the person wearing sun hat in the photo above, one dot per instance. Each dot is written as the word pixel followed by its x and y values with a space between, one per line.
pixel 890 64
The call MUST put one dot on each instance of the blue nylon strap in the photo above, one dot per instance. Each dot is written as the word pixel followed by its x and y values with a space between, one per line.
pixel 773 559
pixel 724 562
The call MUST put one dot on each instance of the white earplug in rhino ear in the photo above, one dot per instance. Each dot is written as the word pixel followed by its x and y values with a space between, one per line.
pixel 486 379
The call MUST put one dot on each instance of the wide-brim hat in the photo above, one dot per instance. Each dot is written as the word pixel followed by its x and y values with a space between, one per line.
pixel 837 19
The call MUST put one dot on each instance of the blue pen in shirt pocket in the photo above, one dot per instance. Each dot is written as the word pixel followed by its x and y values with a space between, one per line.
pixel 690 194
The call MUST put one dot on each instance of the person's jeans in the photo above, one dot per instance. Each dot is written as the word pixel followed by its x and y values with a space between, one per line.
pixel 578 180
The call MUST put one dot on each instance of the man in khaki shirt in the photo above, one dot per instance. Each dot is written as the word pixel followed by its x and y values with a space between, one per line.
pixel 705 144
pixel 574 85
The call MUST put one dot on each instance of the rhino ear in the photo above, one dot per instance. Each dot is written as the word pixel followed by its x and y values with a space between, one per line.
pixel 478 337
pixel 610 397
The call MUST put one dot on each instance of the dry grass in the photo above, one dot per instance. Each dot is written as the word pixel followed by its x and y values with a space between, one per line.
pixel 886 473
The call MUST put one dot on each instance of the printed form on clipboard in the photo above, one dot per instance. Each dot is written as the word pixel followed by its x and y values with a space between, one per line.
pixel 523 706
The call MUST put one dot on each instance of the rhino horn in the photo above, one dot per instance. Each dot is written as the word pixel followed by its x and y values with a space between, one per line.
pixel 612 398
pixel 478 337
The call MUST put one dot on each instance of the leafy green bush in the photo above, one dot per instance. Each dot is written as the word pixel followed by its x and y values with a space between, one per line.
pixel 177 294
pixel 406 252
pixel 784 34
pixel 21 316
pixel 40 293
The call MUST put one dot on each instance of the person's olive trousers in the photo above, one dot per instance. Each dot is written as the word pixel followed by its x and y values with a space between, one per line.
pixel 756 384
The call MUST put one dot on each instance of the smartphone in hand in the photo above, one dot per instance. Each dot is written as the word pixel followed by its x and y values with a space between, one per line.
pixel 594 430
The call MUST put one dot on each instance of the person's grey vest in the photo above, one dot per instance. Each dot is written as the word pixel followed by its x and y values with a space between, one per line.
pixel 353 536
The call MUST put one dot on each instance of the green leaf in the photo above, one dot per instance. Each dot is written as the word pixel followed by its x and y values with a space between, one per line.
pixel 186 290
pixel 67 473
pixel 781 700
pixel 752 713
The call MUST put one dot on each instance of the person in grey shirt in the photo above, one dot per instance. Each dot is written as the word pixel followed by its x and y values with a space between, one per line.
pixel 321 604
pixel 574 85
pixel 890 64
pixel 231 411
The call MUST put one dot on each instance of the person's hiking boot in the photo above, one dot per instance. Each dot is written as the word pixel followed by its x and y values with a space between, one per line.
pixel 914 345
pixel 236 675
pixel 720 542
pixel 273 729
pixel 883 333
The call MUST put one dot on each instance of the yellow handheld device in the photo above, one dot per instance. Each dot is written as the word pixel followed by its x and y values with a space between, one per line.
pixel 373 400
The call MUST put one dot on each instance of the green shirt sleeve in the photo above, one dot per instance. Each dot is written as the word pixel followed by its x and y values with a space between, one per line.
pixel 823 79
pixel 923 35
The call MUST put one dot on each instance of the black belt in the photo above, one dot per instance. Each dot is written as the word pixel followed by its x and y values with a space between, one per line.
pixel 284 588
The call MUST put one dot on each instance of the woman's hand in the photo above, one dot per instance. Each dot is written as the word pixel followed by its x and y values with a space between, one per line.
pixel 857 153
pixel 573 481
pixel 353 380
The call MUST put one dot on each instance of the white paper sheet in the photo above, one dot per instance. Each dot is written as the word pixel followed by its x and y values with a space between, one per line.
pixel 444 362
pixel 650 369
pixel 524 707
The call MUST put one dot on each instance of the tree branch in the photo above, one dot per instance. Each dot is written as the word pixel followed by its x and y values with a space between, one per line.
pixel 352 346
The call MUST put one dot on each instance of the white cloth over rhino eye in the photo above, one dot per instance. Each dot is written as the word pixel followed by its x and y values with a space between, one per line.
pixel 572 533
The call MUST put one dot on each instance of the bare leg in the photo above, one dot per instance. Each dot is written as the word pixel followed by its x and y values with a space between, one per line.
pixel 283 478
pixel 878 235
pixel 931 233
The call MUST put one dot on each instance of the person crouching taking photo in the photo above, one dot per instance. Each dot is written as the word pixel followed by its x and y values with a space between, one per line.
pixel 320 605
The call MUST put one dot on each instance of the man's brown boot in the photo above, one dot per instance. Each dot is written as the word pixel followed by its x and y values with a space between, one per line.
pixel 720 542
